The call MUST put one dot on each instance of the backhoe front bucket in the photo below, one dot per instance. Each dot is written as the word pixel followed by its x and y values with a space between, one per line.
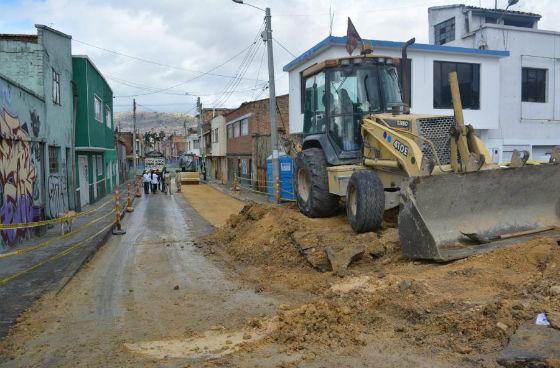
pixel 436 211
pixel 189 177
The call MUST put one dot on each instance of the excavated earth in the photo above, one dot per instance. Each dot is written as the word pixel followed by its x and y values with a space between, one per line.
pixel 461 313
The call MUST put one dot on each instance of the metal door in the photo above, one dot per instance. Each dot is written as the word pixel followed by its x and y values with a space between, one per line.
pixel 83 176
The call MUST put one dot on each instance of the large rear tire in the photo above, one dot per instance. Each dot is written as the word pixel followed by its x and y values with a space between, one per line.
pixel 365 201
pixel 312 184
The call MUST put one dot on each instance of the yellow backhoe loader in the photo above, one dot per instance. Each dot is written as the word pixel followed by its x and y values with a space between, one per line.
pixel 362 144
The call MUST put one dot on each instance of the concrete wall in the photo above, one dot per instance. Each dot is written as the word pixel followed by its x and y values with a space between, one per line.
pixel 58 56
pixel 422 80
pixel 22 165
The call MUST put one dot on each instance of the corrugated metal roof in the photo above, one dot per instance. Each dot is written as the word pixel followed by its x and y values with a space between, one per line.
pixel 501 11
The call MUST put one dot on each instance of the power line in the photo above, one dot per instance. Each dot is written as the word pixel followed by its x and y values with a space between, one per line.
pixel 241 70
pixel 193 78
pixel 284 47
pixel 155 62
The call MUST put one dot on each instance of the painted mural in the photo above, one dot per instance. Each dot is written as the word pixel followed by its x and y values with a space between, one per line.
pixel 19 185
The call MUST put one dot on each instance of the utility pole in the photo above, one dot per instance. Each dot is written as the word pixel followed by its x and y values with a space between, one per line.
pixel 267 37
pixel 272 106
pixel 134 158
pixel 200 143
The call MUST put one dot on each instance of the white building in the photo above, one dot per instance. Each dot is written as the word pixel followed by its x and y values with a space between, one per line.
pixel 529 107
pixel 193 146
pixel 430 93
pixel 219 148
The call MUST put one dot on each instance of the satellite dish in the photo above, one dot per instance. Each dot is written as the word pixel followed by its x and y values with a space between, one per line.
pixel 512 2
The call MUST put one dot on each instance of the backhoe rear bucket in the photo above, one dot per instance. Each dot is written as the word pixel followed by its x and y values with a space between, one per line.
pixel 436 211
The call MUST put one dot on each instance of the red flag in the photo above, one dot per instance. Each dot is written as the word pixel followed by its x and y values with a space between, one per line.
pixel 352 37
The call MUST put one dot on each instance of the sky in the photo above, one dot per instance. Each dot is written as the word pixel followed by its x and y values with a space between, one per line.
pixel 165 53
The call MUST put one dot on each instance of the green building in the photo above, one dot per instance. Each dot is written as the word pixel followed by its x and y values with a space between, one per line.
pixel 96 156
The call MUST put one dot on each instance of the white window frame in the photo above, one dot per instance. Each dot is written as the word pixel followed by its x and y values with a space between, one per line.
pixel 244 127
pixel 99 165
pixel 237 129
pixel 108 119
pixel 97 100
pixel 56 87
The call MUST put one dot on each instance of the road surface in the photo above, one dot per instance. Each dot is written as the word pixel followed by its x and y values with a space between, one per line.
pixel 148 285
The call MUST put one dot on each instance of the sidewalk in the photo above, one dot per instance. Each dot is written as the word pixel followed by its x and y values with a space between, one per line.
pixel 46 263
pixel 242 194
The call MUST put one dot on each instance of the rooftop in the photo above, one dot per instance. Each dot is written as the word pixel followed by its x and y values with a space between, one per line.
pixel 499 12
pixel 87 58
pixel 19 37
pixel 331 41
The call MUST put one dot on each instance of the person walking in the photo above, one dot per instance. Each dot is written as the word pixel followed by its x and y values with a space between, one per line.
pixel 154 182
pixel 167 181
pixel 147 182
pixel 162 180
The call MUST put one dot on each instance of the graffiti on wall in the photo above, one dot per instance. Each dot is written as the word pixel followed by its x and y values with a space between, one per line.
pixel 57 195
pixel 18 177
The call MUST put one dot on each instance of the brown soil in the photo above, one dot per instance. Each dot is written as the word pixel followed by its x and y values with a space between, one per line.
pixel 215 206
pixel 463 310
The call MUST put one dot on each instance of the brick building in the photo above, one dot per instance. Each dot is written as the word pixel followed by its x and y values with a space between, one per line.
pixel 248 139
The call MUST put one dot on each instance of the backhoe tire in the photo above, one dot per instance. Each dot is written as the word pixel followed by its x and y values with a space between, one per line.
pixel 365 201
pixel 312 184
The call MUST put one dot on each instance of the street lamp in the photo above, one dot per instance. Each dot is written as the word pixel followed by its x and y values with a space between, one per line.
pixel 272 98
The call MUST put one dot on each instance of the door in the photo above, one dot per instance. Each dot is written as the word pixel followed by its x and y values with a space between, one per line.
pixel 94 163
pixel 83 176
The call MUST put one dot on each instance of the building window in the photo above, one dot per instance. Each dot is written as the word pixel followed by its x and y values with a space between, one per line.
pixel 230 131
pixel 56 87
pixel 469 84
pixel 444 32
pixel 215 135
pixel 53 159
pixel 533 85
pixel 236 129
pixel 108 116
pixel 99 165
pixel 98 108
pixel 245 127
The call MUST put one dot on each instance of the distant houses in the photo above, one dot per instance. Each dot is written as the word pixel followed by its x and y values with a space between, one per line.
pixel 237 141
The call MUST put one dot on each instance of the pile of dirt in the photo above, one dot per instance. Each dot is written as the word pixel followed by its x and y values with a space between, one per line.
pixel 259 234
pixel 466 307
pixel 281 236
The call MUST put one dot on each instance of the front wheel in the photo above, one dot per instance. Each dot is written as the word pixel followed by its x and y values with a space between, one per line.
pixel 365 201
pixel 312 184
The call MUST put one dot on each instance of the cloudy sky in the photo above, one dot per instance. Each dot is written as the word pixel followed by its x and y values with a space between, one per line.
pixel 166 52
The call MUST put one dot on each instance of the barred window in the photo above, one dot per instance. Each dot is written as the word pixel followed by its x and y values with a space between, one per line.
pixel 444 32
pixel 53 159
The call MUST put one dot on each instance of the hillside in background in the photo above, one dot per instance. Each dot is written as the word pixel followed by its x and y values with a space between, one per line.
pixel 167 121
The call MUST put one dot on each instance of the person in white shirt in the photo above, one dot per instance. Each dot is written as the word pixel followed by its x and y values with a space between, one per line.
pixel 155 182
pixel 147 181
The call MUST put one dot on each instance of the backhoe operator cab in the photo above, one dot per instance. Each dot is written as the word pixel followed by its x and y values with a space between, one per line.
pixel 338 95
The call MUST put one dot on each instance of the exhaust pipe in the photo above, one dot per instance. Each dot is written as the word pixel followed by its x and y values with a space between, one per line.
pixel 404 73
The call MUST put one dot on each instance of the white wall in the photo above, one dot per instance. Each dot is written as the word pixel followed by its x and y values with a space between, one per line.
pixel 219 148
pixel 486 117
pixel 523 125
